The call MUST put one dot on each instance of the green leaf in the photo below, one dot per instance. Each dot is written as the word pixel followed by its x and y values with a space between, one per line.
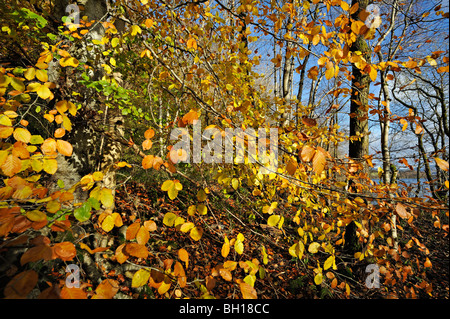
pixel 83 213
pixel 94 203
pixel 36 139
pixel 60 183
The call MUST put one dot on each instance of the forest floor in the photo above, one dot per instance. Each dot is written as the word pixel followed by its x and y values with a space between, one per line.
pixel 285 277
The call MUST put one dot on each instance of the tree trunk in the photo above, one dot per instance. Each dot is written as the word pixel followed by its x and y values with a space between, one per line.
pixel 359 125
pixel 92 150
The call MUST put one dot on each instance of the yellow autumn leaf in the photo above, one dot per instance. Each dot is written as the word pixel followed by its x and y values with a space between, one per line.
pixel 135 29
pixel 202 209
pixel 201 195
pixel 97 176
pixel 165 286
pixel 239 247
pixel 373 73
pixel 5 120
pixel 313 247
pixel 297 250
pixel 191 210
pixel 196 233
pixel 235 183
pixel 115 42
pixel 36 216
pixel 328 263
pixel 29 74
pixel 169 219
pixel 225 248
pixel 443 165
pixel 318 278
pixel 69 61
pixel 53 206
pixel 172 187
pixel 329 73
pixel 22 135
pixel 140 278
pixel 66 123
pixel 50 165
pixel 62 106
pixel 187 227
pixel 41 75
pixel 108 223
pixel 404 123
pixel 43 92
pixel 17 84
pixel 273 220
pixel 106 197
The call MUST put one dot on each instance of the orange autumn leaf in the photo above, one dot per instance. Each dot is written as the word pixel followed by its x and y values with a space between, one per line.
pixel 106 290
pixel 142 236
pixel 65 251
pixel 184 256
pixel 136 250
pixel 148 134
pixel 11 166
pixel 21 284
pixel 191 44
pixel 73 293
pixel 309 121
pixel 190 117
pixel 49 146
pixel 307 153
pixel 319 162
pixel 291 167
pixel 64 147
pixel 36 253
pixel 147 161
pixel 150 225
pixel 132 231
pixel 180 274
pixel 60 132
pixel 92 251
pixel 248 292
pixel 147 144
pixel 22 134
pixel 119 254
